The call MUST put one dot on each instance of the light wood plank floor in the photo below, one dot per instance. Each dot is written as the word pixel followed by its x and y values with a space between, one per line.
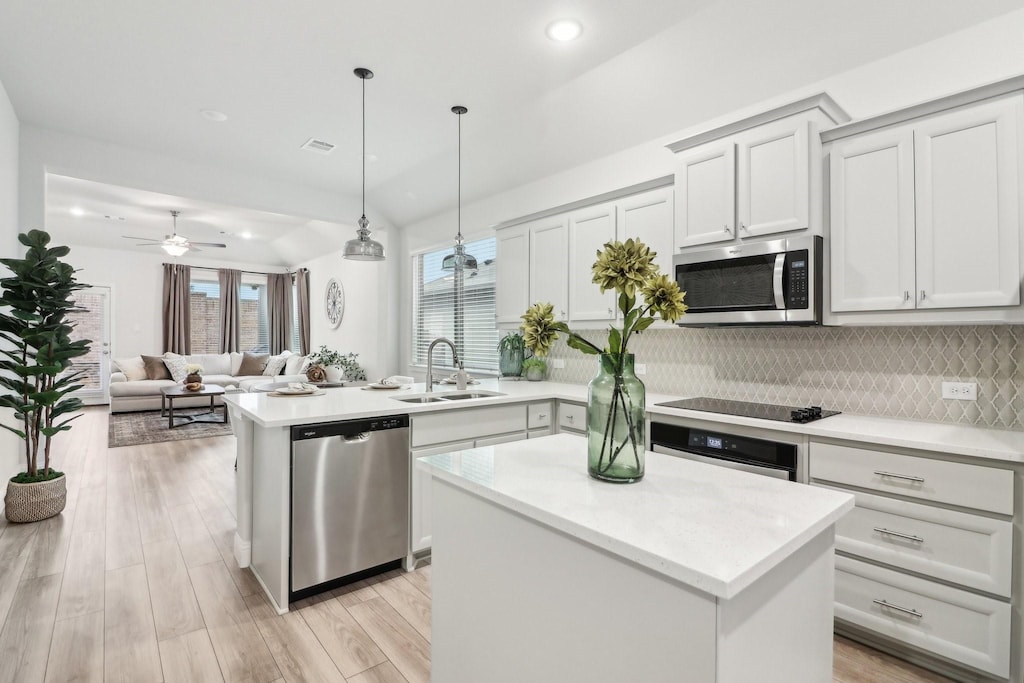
pixel 135 581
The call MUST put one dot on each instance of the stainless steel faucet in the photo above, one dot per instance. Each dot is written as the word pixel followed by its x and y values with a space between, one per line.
pixel 430 359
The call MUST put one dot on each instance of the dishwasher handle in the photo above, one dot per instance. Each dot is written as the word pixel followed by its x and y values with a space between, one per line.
pixel 349 428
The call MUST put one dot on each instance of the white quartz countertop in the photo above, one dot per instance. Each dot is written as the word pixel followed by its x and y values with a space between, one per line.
pixel 354 402
pixel 713 528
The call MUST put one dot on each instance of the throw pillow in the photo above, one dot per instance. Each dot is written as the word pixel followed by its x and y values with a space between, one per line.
pixel 155 367
pixel 176 366
pixel 275 364
pixel 295 365
pixel 236 362
pixel 253 364
pixel 134 369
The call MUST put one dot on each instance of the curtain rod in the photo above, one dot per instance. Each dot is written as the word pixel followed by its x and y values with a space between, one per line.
pixel 248 272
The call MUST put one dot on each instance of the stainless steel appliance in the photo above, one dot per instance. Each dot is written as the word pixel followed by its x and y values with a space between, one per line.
pixel 350 500
pixel 778 282
pixel 775 454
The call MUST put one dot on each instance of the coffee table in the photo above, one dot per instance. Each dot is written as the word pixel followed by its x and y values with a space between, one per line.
pixel 168 394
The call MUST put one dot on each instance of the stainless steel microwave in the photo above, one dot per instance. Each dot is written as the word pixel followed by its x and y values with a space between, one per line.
pixel 777 282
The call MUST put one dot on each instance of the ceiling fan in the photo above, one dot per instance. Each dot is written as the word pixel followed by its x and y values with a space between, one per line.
pixel 174 244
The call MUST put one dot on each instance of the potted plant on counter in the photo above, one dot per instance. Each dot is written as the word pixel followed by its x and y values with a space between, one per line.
pixel 535 368
pixel 34 370
pixel 332 366
pixel 511 350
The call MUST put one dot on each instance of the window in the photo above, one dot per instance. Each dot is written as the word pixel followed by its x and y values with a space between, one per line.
pixel 205 312
pixel 459 306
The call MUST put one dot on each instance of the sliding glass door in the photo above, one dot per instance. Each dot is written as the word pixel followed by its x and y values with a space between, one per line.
pixel 93 322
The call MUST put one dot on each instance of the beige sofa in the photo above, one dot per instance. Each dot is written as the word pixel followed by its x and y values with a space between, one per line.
pixel 127 395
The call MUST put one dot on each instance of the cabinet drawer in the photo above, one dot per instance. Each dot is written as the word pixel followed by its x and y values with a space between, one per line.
pixel 538 415
pixel 572 416
pixel 940 481
pixel 950 622
pixel 472 423
pixel 968 549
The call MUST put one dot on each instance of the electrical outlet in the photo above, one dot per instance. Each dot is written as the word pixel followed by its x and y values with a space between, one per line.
pixel 640 369
pixel 960 391
pixel 558 363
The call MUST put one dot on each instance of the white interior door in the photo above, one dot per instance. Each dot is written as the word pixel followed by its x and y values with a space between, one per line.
pixel 93 323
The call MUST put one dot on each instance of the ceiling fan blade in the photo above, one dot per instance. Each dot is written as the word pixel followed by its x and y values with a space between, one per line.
pixel 150 244
pixel 148 239
pixel 192 247
pixel 210 244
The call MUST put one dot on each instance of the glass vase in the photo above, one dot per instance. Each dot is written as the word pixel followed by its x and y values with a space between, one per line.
pixel 615 421
pixel 510 362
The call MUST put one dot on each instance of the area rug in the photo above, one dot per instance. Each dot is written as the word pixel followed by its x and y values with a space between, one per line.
pixel 134 429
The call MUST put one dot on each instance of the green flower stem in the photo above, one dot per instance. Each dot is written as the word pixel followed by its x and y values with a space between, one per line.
pixel 608 427
pixel 619 397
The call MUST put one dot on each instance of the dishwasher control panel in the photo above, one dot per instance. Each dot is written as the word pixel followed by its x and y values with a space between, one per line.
pixel 349 427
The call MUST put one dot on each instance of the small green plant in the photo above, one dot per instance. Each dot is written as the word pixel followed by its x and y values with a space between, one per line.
pixel 346 362
pixel 535 364
pixel 513 341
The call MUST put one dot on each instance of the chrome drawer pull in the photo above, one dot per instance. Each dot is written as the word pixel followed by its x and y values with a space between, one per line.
pixel 907 477
pixel 898 534
pixel 906 610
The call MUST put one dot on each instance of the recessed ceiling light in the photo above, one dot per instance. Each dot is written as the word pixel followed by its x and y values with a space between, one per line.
pixel 77 211
pixel 213 115
pixel 564 30
pixel 246 235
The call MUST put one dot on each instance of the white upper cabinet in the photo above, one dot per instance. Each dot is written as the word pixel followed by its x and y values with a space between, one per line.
pixel 648 217
pixel 968 206
pixel 773 192
pixel 925 212
pixel 589 230
pixel 872 180
pixel 754 177
pixel 705 195
pixel 513 252
pixel 549 260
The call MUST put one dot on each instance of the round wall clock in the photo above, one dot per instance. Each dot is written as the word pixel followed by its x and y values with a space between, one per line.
pixel 334 302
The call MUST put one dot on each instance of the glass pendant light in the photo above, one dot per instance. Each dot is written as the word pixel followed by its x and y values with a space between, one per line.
pixel 459 260
pixel 363 248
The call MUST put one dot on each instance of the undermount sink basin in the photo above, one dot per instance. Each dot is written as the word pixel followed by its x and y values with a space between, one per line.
pixel 469 394
pixel 447 396
pixel 418 399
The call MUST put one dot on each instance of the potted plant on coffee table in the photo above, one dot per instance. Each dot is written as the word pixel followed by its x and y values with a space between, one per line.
pixel 35 358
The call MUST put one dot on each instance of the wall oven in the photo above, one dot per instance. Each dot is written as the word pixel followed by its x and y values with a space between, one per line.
pixel 723 445
pixel 778 282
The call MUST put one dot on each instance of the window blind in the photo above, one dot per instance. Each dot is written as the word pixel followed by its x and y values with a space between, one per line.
pixel 204 313
pixel 459 306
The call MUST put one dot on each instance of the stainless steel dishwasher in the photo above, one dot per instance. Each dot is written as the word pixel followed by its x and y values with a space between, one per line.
pixel 350 500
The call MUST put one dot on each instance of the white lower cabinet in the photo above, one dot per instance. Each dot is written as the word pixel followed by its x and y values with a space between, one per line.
pixel 964 627
pixel 572 417
pixel 421 500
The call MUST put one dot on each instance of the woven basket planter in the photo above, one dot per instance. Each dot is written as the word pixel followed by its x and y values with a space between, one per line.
pixel 35 502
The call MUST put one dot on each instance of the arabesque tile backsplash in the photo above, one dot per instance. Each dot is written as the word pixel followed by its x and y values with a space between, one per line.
pixel 888 371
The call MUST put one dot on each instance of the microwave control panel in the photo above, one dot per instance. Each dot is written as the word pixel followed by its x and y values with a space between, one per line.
pixel 797 279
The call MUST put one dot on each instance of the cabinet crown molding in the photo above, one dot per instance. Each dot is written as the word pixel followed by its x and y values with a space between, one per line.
pixel 926 108
pixel 822 102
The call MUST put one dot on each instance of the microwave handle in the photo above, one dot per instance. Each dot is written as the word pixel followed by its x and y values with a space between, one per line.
pixel 780 269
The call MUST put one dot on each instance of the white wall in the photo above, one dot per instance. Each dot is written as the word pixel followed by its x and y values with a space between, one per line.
pixel 10 455
pixel 987 52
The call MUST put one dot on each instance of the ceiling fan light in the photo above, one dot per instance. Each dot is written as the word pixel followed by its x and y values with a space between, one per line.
pixel 174 249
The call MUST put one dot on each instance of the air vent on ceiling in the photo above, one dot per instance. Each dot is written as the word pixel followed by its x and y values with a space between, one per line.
pixel 318 146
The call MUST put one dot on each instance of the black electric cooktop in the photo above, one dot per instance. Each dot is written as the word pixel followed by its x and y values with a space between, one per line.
pixel 764 411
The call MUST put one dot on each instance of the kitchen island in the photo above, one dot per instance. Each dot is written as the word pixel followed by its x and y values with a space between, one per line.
pixel 696 573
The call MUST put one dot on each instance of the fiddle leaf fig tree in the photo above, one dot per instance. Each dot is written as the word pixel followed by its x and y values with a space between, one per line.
pixel 36 350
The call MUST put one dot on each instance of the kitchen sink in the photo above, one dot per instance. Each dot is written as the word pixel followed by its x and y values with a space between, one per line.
pixel 447 396
pixel 469 394
pixel 419 399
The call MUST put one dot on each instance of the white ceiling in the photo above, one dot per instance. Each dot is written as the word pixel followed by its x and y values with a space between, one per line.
pixel 137 73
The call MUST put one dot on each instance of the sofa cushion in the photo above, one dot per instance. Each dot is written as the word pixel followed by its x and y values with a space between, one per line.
pixel 236 361
pixel 145 387
pixel 176 366
pixel 221 380
pixel 295 365
pixel 275 364
pixel 155 367
pixel 134 368
pixel 253 364
pixel 213 363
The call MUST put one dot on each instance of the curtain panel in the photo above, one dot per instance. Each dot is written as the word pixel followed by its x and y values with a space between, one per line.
pixel 279 310
pixel 302 299
pixel 230 327
pixel 177 332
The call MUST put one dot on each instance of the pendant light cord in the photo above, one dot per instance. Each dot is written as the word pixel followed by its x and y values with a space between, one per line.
pixel 460 179
pixel 364 147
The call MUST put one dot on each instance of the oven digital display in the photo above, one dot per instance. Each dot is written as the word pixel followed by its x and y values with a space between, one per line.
pixel 798 264
pixel 714 441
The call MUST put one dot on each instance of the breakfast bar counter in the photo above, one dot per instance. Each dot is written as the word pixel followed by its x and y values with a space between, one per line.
pixel 695 573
